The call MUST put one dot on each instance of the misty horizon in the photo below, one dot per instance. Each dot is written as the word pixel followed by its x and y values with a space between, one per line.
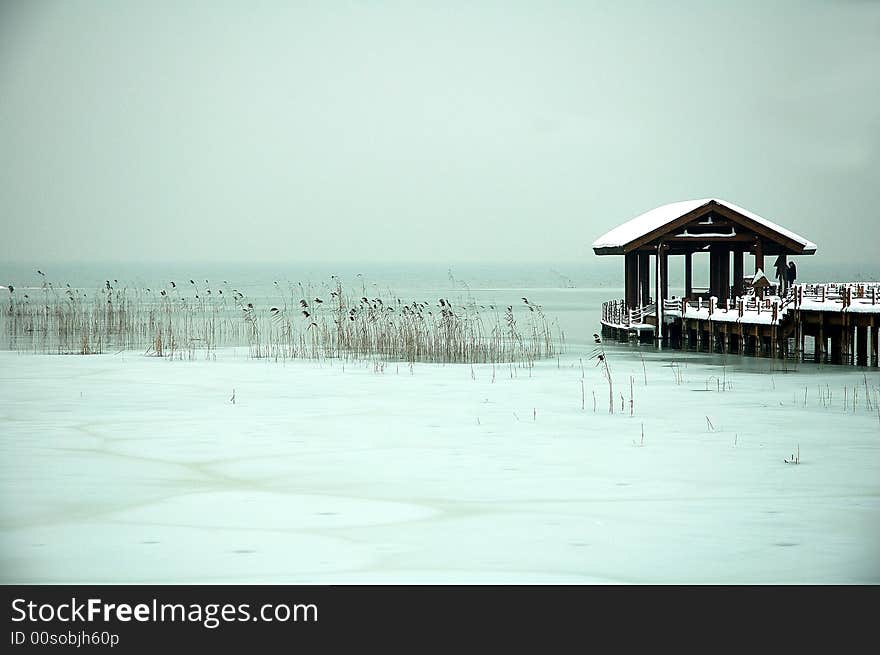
pixel 217 132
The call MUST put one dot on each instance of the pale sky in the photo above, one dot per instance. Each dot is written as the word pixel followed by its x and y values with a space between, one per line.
pixel 448 131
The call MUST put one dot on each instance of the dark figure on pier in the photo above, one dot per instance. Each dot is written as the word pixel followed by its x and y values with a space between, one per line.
pixel 791 274
pixel 781 274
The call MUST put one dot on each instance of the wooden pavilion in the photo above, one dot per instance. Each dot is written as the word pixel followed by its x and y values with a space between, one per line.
pixel 841 319
pixel 718 227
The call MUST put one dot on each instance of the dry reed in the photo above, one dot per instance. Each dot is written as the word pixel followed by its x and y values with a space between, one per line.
pixel 181 322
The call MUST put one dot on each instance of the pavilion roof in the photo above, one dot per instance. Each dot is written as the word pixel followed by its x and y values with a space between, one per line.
pixel 654 223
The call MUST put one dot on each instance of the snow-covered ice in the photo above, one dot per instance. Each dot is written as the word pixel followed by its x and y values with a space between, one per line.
pixel 125 468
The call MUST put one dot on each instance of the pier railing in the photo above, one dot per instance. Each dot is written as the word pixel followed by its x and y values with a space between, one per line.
pixel 853 296
pixel 844 294
pixel 616 312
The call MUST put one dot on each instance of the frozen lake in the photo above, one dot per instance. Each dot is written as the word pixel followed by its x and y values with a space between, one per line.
pixel 125 468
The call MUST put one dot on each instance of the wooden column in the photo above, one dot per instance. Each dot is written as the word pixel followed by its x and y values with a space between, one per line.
pixel 664 272
pixel 658 302
pixel 861 345
pixel 800 334
pixel 644 277
pixel 724 274
pixel 737 273
pixel 714 273
pixel 759 256
pixel 874 339
pixel 631 279
pixel 688 275
pixel 837 348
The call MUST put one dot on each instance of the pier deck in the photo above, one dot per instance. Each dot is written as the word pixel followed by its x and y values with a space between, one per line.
pixel 833 322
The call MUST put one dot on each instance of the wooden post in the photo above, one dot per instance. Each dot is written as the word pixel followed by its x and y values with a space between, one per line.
pixel 631 279
pixel 658 300
pixel 688 275
pixel 724 274
pixel 874 339
pixel 737 273
pixel 800 334
pixel 837 347
pixel 861 345
pixel 759 255
pixel 847 345
pixel 664 272
pixel 714 273
pixel 644 277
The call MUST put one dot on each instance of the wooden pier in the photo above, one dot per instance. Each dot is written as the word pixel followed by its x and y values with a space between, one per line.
pixel 831 323
pixel 738 313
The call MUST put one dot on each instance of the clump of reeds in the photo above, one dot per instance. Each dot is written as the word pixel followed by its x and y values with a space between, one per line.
pixel 186 321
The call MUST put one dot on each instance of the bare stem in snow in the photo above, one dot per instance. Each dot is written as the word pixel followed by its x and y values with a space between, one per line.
pixel 631 402
pixel 602 360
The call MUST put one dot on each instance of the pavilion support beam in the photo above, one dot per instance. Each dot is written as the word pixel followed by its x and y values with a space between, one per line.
pixel 631 276
pixel 837 345
pixel 644 277
pixel 724 274
pixel 847 343
pixel 737 273
pixel 688 275
pixel 759 256
pixel 664 273
pixel 861 345
pixel 874 341
pixel 660 332
pixel 714 273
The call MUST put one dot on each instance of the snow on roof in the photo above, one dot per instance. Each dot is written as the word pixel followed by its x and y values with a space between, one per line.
pixel 660 216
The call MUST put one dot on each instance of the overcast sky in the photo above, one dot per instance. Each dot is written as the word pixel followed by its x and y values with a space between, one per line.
pixel 449 131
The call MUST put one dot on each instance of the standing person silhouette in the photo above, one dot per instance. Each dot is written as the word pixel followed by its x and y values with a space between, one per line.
pixel 791 274
pixel 781 274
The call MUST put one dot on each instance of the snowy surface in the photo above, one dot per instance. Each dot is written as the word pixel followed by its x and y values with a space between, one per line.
pixel 858 306
pixel 751 315
pixel 721 315
pixel 124 468
pixel 660 216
